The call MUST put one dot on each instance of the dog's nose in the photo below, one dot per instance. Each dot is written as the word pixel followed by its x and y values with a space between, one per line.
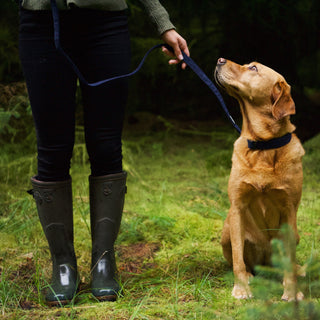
pixel 222 61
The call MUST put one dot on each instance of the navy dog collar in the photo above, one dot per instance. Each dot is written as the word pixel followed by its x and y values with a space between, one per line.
pixel 270 144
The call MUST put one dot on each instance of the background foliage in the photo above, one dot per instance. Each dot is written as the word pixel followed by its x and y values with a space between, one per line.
pixel 284 35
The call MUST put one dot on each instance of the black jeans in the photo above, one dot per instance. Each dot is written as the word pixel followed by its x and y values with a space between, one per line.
pixel 98 42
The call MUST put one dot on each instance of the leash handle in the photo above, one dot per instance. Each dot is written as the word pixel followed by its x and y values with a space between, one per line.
pixel 193 66
pixel 56 26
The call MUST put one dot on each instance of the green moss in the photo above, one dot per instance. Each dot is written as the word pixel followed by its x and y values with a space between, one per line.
pixel 170 258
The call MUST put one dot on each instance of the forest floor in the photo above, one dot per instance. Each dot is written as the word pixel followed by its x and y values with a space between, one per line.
pixel 168 250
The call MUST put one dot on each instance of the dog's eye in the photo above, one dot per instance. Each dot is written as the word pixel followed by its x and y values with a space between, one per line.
pixel 253 68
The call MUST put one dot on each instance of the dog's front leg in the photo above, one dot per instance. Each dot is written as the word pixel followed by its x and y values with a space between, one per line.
pixel 290 292
pixel 241 289
pixel 290 239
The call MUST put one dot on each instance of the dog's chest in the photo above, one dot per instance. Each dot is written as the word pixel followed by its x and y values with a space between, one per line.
pixel 261 171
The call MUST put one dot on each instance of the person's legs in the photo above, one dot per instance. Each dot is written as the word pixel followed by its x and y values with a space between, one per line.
pixel 107 54
pixel 51 87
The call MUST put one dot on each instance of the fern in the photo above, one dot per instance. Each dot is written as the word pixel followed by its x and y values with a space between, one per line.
pixel 268 283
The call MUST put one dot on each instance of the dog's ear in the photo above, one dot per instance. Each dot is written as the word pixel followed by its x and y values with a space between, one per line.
pixel 283 104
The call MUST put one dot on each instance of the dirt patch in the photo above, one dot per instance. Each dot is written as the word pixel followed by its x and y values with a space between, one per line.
pixel 135 258
pixel 23 278
pixel 27 305
pixel 7 92
pixel 25 271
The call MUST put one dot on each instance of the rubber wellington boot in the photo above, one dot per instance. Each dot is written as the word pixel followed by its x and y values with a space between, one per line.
pixel 54 205
pixel 106 205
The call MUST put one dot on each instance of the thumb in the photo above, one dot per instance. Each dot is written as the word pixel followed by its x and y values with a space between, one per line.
pixel 177 51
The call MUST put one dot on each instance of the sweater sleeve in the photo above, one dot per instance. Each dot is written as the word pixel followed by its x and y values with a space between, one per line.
pixel 42 4
pixel 158 15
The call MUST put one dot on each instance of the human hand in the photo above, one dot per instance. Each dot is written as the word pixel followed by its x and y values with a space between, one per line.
pixel 173 39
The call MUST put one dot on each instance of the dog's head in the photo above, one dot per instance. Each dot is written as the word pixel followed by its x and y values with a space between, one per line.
pixel 256 85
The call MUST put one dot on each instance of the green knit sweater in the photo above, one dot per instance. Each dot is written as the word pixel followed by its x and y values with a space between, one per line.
pixel 158 14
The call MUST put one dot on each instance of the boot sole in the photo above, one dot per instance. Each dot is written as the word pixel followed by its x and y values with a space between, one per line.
pixel 58 303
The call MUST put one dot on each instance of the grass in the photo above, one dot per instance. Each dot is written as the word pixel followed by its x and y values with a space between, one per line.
pixel 169 253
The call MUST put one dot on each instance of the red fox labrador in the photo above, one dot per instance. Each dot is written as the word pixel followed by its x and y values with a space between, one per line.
pixel 266 177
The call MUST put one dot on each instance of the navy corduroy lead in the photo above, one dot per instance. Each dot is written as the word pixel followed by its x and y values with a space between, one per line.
pixel 253 145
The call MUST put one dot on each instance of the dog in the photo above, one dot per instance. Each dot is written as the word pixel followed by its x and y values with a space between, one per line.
pixel 265 183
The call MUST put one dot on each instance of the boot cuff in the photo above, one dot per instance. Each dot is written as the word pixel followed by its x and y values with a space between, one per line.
pixel 109 177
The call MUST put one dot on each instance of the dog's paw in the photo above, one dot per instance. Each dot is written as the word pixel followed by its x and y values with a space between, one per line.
pixel 290 297
pixel 300 296
pixel 241 291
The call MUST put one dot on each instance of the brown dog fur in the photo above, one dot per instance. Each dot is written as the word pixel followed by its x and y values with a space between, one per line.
pixel 265 185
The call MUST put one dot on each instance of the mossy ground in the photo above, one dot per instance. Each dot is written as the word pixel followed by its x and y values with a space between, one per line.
pixel 168 249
